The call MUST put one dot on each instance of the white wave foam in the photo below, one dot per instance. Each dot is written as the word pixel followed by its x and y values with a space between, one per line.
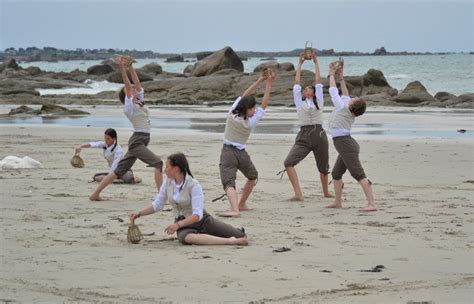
pixel 94 88
pixel 14 162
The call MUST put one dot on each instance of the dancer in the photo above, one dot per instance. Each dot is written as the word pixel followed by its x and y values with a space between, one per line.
pixel 112 153
pixel 311 137
pixel 243 116
pixel 192 223
pixel 132 96
pixel 346 109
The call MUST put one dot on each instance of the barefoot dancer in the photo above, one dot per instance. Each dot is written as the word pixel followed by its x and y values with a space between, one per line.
pixel 346 109
pixel 132 96
pixel 193 224
pixel 311 137
pixel 112 153
pixel 243 116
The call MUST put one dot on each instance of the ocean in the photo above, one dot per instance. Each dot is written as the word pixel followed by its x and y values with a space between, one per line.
pixel 452 73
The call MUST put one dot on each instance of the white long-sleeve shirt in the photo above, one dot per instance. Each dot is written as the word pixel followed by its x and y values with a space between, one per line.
pixel 340 102
pixel 137 112
pixel 197 197
pixel 113 157
pixel 298 96
pixel 251 122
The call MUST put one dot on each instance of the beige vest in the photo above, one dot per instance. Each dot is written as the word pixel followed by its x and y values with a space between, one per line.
pixel 140 118
pixel 110 156
pixel 309 116
pixel 183 206
pixel 342 119
pixel 236 130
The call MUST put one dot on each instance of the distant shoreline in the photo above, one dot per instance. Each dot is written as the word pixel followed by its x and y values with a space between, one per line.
pixel 51 54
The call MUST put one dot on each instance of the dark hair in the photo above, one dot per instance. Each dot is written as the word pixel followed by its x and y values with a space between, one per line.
pixel 358 106
pixel 121 95
pixel 179 159
pixel 111 132
pixel 315 100
pixel 246 102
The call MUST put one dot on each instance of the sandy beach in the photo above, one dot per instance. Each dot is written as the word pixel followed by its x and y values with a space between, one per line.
pixel 57 246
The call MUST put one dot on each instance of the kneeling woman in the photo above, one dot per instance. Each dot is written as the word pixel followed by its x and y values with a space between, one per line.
pixel 192 223
pixel 112 153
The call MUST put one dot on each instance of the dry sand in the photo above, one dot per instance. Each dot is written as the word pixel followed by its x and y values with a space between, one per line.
pixel 57 246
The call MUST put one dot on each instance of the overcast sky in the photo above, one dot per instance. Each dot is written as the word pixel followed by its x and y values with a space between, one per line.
pixel 258 25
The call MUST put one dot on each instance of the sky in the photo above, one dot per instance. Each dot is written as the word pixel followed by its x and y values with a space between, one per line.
pixel 177 26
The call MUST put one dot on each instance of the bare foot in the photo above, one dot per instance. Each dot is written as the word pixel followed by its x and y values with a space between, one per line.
pixel 138 180
pixel 334 205
pixel 229 214
pixel 296 198
pixel 240 241
pixel 329 194
pixel 95 197
pixel 368 209
pixel 245 208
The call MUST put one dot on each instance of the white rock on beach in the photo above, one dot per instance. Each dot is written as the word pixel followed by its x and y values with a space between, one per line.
pixel 14 162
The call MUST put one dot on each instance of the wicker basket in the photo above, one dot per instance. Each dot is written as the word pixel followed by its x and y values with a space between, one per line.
pixel 76 161
pixel 134 235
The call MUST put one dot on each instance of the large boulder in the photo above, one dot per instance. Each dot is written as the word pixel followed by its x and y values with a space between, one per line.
pixel 152 68
pixel 58 110
pixel 275 66
pixel 188 70
pixel 176 58
pixel 202 55
pixel 117 77
pixel 23 110
pixel 414 93
pixel 220 60
pixel 375 77
pixel 100 69
pixel 9 63
pixel 33 70
pixel 465 101
pixel 444 96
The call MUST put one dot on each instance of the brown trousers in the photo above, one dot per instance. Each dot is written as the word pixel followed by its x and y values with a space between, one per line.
pixel 211 226
pixel 310 139
pixel 233 159
pixel 348 158
pixel 137 149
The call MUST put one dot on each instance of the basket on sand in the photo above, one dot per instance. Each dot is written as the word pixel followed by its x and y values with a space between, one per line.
pixel 338 64
pixel 133 235
pixel 77 161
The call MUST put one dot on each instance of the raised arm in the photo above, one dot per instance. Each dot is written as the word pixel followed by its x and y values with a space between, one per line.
pixel 333 91
pixel 253 87
pixel 136 80
pixel 340 74
pixel 268 88
pixel 317 72
pixel 126 81
pixel 298 69
pixel 79 148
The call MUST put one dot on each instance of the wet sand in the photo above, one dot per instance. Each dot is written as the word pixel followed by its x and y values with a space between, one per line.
pixel 57 246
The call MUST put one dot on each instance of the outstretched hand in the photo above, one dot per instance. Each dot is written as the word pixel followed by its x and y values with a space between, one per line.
pixel 270 78
pixel 302 58
pixel 134 216
pixel 78 149
pixel 171 228
pixel 332 69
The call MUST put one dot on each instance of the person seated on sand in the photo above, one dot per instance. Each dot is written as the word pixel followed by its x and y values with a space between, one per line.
pixel 132 97
pixel 113 154
pixel 242 117
pixel 309 104
pixel 192 223
pixel 346 109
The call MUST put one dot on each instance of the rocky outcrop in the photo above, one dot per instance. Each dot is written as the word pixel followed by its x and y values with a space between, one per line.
pixel 100 69
pixel 177 58
pixel 202 55
pixel 275 66
pixel 220 60
pixel 47 109
pixel 9 63
pixel 117 77
pixel 152 69
pixel 414 93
